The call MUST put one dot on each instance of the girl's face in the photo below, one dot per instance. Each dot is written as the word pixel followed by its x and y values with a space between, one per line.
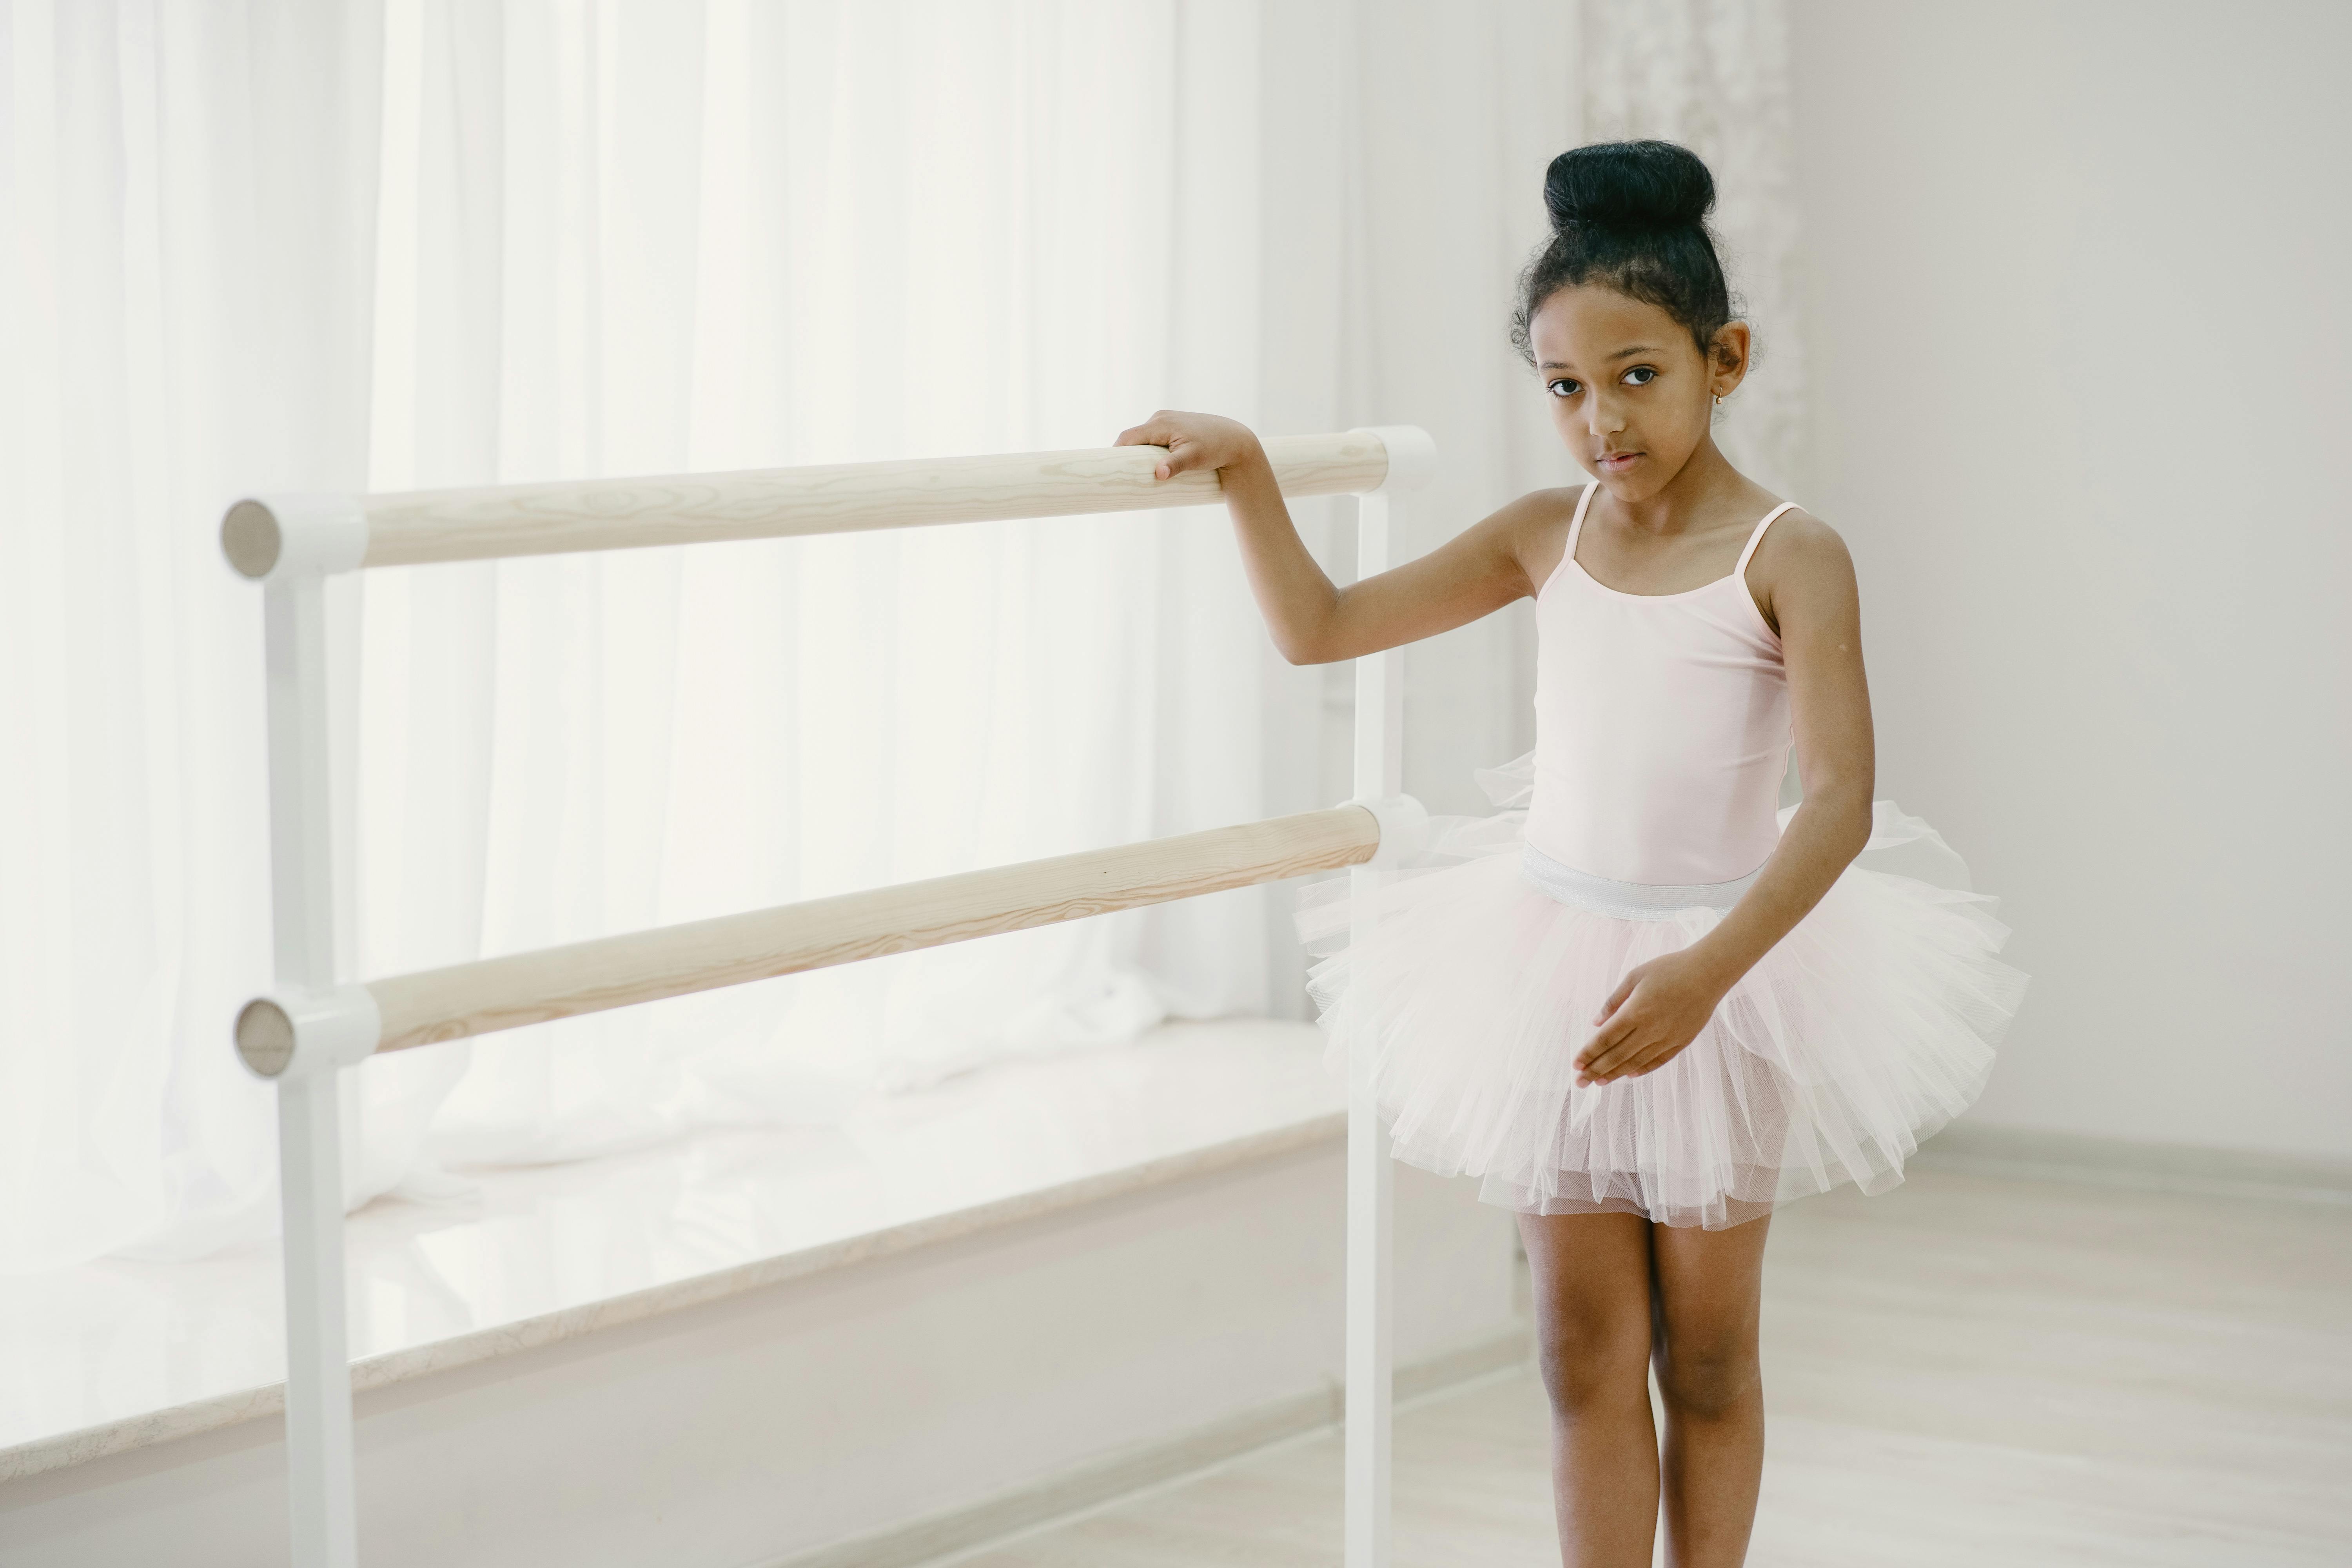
pixel 1632 395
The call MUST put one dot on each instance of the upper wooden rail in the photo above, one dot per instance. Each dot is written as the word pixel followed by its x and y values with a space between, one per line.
pixel 508 992
pixel 419 526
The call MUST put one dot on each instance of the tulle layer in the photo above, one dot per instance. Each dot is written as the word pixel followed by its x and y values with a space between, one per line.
pixel 1862 1031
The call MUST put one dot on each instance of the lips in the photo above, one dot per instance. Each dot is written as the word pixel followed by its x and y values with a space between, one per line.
pixel 1618 462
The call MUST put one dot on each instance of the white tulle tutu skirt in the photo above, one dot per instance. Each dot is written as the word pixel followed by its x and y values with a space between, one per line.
pixel 1864 1030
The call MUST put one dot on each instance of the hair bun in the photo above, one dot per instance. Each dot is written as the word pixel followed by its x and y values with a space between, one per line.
pixel 1628 185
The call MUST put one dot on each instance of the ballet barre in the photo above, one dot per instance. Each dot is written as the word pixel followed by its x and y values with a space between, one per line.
pixel 312 1022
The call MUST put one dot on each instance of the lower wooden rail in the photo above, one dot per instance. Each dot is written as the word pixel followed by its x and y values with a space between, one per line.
pixel 507 993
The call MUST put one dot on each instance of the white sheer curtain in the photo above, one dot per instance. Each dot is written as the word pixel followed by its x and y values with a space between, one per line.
pixel 434 242
pixel 449 242
pixel 663 238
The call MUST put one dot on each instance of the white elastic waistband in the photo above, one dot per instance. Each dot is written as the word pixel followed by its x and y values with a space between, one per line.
pixel 1627 900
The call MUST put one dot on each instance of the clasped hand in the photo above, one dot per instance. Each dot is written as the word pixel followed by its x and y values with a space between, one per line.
pixel 1657 1010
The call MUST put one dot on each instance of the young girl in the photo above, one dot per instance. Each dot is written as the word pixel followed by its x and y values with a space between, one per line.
pixel 1651 1006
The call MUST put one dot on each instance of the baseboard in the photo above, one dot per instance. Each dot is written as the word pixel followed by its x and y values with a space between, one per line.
pixel 1132 1469
pixel 2034 1155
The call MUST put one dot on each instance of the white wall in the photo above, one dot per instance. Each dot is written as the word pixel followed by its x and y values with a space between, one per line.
pixel 2077 316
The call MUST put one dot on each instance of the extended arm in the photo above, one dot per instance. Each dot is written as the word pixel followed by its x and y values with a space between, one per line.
pixel 1660 1006
pixel 1312 621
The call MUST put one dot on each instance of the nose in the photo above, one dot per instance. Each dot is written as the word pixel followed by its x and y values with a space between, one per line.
pixel 1602 414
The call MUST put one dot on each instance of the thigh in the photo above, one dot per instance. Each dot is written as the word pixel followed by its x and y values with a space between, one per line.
pixel 1592 1286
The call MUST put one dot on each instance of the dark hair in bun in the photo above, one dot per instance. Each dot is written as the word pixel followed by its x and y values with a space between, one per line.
pixel 1632 216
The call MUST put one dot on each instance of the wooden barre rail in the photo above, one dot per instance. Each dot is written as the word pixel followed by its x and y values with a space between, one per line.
pixel 507 993
pixel 420 526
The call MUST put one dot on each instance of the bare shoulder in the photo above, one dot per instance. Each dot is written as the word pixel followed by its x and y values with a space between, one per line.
pixel 1798 535
pixel 1800 545
pixel 1538 507
pixel 1802 568
pixel 1533 530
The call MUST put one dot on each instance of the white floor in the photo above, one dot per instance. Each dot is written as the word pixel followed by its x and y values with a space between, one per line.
pixel 1968 1370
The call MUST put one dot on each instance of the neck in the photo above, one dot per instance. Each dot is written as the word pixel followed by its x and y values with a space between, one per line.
pixel 1705 482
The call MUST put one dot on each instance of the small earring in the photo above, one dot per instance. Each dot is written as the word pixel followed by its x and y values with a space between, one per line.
pixel 1718 400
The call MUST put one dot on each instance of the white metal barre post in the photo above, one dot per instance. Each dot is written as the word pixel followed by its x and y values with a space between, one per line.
pixel 319 1459
pixel 1372 1264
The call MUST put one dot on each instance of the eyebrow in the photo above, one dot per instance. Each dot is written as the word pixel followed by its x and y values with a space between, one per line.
pixel 1621 354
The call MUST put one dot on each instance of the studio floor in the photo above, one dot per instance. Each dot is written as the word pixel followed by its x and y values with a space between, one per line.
pixel 1968 1369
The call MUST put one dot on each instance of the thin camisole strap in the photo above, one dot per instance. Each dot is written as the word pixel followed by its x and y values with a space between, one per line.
pixel 1576 524
pixel 1757 537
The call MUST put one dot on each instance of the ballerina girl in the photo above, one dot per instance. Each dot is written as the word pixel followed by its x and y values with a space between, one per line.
pixel 1643 1003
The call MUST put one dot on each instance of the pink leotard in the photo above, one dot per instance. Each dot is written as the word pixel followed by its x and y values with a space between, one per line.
pixel 1661 725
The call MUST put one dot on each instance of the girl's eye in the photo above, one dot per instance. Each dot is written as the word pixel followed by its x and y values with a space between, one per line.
pixel 1563 388
pixel 1641 375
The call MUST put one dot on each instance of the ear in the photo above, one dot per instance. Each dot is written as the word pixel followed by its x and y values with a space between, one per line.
pixel 1728 357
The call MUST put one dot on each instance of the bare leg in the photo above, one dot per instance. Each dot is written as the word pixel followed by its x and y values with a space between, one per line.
pixel 1709 1296
pixel 1593 1280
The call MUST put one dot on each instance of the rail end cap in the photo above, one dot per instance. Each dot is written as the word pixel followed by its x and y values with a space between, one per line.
pixel 264 1037
pixel 298 1033
pixel 1413 456
pixel 270 537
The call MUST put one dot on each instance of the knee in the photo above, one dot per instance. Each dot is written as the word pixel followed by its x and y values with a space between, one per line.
pixel 1585 1365
pixel 1706 1380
